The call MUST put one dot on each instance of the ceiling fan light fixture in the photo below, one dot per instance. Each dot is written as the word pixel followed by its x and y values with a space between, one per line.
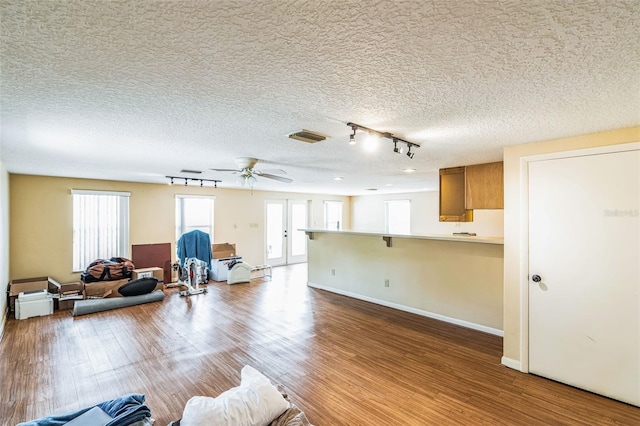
pixel 247 175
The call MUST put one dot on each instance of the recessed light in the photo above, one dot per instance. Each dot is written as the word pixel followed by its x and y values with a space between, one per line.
pixel 409 170
pixel 338 178
pixel 388 184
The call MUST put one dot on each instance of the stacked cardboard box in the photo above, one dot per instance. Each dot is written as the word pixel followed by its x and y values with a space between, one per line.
pixel 30 284
pixel 69 293
pixel 157 273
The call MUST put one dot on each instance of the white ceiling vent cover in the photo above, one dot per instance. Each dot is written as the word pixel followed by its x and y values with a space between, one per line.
pixel 307 136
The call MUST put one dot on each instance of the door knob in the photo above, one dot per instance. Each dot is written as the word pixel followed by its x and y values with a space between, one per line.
pixel 536 278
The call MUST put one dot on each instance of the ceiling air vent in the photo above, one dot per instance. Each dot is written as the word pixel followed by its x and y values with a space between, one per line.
pixel 307 136
pixel 190 171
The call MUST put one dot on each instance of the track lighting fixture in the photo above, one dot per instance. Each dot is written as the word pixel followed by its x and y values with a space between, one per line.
pixel 186 181
pixel 396 140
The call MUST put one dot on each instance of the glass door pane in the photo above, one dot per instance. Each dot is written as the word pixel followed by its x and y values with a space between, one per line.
pixel 275 228
pixel 297 239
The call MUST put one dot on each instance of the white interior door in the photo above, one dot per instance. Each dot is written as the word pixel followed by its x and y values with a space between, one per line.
pixel 584 272
pixel 284 243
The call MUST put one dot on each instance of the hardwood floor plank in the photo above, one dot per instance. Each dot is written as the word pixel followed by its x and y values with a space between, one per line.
pixel 343 361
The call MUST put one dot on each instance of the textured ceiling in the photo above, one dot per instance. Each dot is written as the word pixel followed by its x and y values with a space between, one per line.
pixel 137 90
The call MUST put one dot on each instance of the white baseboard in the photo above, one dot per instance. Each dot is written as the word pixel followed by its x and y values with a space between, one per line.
pixel 3 322
pixel 511 363
pixel 416 311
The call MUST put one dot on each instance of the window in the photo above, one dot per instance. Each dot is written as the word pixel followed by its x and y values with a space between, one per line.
pixel 194 212
pixel 100 226
pixel 397 216
pixel 333 215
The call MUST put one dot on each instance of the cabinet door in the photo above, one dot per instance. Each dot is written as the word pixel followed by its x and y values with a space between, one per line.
pixel 452 196
pixel 484 186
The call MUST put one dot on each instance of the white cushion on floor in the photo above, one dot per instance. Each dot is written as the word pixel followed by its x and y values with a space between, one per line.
pixel 256 402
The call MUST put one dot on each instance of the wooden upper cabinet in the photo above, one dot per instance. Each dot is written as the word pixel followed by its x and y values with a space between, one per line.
pixel 463 189
pixel 484 186
pixel 452 196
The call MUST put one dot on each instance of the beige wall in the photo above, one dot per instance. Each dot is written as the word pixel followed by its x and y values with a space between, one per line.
pixel 4 242
pixel 513 262
pixel 457 280
pixel 368 215
pixel 41 219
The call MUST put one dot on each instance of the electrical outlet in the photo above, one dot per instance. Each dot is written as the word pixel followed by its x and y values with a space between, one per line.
pixel 386 282
pixel 333 272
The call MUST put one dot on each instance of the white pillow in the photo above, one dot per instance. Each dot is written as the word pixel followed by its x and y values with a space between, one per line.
pixel 256 402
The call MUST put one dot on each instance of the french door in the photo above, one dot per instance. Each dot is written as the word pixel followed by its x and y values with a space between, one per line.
pixel 284 243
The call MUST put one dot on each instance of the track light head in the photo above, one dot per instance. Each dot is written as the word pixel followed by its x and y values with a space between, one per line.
pixel 171 181
pixel 409 153
pixel 395 147
pixel 352 137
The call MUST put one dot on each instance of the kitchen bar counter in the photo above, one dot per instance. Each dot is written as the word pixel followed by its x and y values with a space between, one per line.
pixel 453 278
pixel 461 238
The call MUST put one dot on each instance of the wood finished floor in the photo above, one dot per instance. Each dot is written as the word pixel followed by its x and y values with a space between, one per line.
pixel 343 361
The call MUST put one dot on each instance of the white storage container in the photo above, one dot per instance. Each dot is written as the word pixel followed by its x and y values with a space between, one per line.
pixel 220 268
pixel 34 308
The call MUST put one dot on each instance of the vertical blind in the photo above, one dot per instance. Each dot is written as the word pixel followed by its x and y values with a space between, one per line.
pixel 100 226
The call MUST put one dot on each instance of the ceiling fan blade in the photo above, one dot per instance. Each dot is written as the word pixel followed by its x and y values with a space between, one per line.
pixel 271 172
pixel 280 178
pixel 225 170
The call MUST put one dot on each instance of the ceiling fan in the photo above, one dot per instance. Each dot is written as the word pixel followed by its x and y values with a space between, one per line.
pixel 247 173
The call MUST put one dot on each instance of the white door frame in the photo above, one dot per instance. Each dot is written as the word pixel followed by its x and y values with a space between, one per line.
pixel 524 231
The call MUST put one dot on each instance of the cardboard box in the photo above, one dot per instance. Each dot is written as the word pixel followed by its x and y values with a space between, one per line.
pixel 64 304
pixel 72 286
pixel 157 273
pixel 103 289
pixel 69 293
pixel 30 284
pixel 224 250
